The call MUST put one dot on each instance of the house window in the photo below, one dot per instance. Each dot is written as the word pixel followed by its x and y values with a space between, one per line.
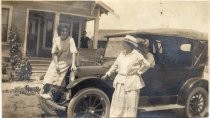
pixel 5 23
pixel 48 32
pixel 75 33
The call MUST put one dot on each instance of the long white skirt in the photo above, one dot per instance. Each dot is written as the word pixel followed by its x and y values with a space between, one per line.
pixel 124 103
pixel 55 78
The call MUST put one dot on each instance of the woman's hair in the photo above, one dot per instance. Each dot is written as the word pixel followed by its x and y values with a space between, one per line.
pixel 61 27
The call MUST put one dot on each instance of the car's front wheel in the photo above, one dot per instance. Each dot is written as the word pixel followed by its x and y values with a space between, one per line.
pixel 90 103
pixel 197 103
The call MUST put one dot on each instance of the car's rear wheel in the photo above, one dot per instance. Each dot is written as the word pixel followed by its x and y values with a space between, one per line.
pixel 197 103
pixel 90 103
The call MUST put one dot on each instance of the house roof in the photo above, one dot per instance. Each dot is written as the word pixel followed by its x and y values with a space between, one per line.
pixel 105 8
pixel 187 33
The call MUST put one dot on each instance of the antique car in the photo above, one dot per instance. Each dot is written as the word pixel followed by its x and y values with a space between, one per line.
pixel 175 82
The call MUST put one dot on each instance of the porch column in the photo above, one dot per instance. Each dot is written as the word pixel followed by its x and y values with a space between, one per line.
pixel 26 31
pixel 96 27
pixel 56 23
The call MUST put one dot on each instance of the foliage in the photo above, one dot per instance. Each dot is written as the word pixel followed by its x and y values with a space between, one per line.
pixel 99 56
pixel 21 68
pixel 27 90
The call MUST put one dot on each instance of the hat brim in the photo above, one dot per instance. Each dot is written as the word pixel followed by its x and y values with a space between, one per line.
pixel 133 43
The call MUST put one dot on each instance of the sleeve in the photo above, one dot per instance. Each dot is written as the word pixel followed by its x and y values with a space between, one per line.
pixel 54 47
pixel 73 48
pixel 145 65
pixel 114 67
pixel 142 60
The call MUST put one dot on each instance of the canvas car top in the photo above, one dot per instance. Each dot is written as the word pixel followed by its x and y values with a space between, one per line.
pixel 186 33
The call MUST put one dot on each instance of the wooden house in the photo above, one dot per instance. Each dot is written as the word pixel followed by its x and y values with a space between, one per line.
pixel 37 21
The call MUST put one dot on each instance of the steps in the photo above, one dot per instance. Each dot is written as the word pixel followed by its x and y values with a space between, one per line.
pixel 39 65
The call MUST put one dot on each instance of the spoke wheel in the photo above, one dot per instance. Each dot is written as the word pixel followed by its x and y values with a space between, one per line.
pixel 197 103
pixel 89 103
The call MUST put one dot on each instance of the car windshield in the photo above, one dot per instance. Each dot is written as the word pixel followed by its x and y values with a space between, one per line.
pixel 114 47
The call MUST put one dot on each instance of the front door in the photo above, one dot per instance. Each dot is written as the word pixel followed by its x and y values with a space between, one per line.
pixel 33 36
pixel 40 33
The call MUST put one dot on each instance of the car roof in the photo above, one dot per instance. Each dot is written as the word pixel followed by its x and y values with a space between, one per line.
pixel 186 33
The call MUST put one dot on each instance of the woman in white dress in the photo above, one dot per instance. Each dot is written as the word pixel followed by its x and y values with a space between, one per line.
pixel 129 65
pixel 63 54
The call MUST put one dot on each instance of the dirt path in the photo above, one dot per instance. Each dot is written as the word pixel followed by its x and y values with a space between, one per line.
pixel 21 106
pixel 24 106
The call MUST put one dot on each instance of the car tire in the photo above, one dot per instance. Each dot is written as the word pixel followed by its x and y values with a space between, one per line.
pixel 196 103
pixel 49 110
pixel 89 102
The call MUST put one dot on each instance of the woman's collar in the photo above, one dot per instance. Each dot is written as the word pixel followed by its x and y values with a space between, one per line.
pixel 69 37
pixel 133 51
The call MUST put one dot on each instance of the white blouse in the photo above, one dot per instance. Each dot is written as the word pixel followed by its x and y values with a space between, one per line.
pixel 129 68
pixel 63 46
pixel 64 49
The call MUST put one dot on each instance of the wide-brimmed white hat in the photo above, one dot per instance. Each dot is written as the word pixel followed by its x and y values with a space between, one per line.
pixel 131 39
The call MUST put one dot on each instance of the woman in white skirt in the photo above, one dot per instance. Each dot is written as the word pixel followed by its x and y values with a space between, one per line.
pixel 63 53
pixel 129 65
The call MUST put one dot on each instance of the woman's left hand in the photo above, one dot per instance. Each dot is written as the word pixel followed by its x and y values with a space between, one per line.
pixel 73 68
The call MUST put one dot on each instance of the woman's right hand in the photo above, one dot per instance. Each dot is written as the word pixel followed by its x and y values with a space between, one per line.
pixel 104 77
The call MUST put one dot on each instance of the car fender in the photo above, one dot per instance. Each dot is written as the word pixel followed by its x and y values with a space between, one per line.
pixel 188 86
pixel 79 80
pixel 90 82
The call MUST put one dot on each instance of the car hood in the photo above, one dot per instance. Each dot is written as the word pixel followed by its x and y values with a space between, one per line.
pixel 83 71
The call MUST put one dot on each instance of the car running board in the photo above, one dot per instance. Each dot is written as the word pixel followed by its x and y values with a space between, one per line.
pixel 160 107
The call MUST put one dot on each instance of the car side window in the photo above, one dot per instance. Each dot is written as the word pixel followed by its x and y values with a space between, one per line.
pixel 185 47
pixel 157 47
pixel 199 50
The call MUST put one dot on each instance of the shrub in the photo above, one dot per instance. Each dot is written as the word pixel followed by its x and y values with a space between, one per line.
pixel 21 67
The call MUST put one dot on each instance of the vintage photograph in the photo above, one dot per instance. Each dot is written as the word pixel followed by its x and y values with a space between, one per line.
pixel 104 59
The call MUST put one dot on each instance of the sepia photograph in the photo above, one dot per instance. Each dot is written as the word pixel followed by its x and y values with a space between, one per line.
pixel 104 58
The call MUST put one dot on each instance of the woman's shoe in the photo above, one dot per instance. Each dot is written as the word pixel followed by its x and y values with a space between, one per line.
pixel 45 96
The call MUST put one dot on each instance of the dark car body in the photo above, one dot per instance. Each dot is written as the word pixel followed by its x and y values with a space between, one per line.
pixel 174 67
